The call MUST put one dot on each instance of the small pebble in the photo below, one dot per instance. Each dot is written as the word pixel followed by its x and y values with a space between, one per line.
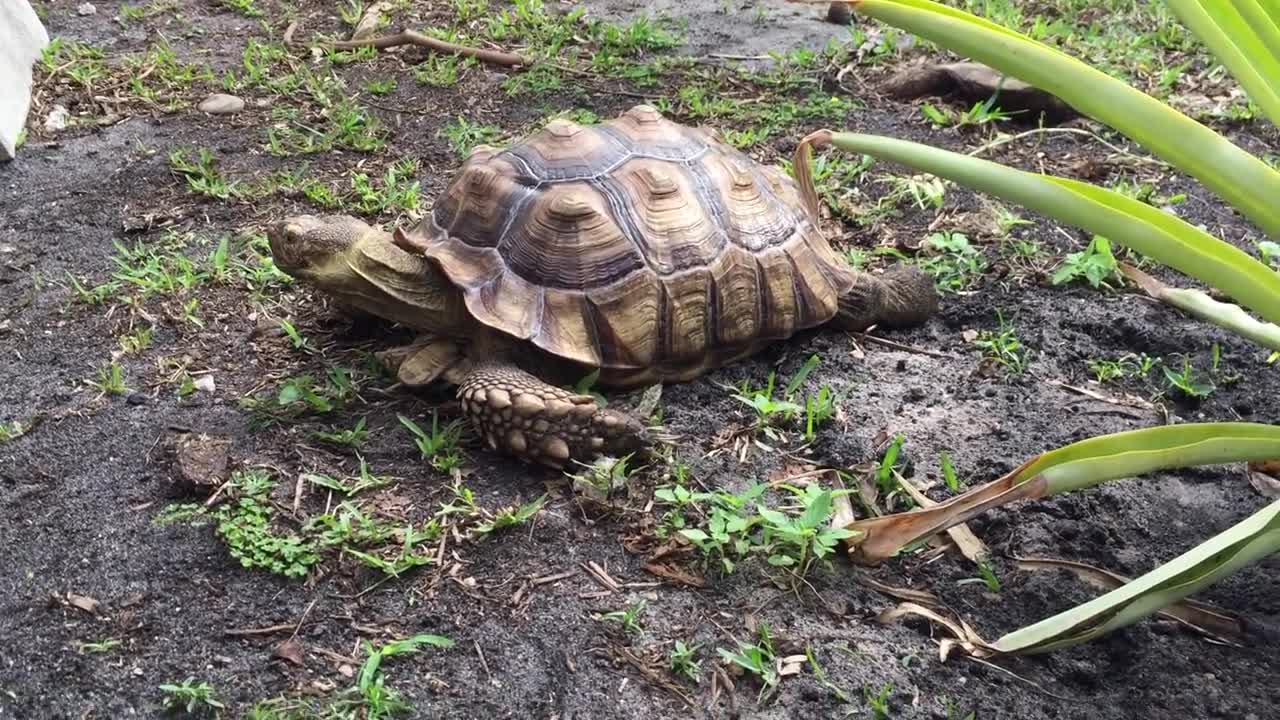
pixel 221 104
pixel 57 119
pixel 136 399
pixel 204 383
pixel 87 9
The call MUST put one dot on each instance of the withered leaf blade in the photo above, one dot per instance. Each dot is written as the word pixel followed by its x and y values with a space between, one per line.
pixel 968 543
pixel 882 537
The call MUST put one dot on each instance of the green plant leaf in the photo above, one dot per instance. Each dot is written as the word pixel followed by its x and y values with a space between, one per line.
pixel 1242 36
pixel 1164 237
pixel 1256 537
pixel 817 512
pixel 695 535
pixel 1242 179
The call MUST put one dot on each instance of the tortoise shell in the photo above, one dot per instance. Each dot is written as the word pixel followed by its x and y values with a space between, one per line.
pixel 634 245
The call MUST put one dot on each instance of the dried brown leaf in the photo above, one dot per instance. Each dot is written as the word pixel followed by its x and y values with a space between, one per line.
pixel 290 650
pixel 675 574
pixel 82 602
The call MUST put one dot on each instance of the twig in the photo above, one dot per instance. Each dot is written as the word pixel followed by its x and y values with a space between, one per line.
pixel 599 575
pixel 483 663
pixel 901 346
pixel 269 630
pixel 303 619
pixel 334 656
pixel 409 37
pixel 552 578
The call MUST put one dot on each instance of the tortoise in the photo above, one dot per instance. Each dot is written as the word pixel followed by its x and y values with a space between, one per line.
pixel 638 247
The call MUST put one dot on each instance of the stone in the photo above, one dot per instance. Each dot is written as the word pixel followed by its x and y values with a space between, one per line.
pixel 199 462
pixel 22 37
pixel 86 9
pixel 57 119
pixel 221 104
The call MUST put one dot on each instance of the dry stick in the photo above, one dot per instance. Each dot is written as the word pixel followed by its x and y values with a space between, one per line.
pixel 484 664
pixel 901 346
pixel 303 619
pixel 409 37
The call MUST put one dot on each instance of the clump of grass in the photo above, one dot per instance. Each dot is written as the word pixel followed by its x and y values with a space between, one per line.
pixel 191 697
pixel 1002 347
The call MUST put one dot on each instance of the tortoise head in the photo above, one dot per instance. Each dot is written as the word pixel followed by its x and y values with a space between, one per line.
pixel 363 267
pixel 311 248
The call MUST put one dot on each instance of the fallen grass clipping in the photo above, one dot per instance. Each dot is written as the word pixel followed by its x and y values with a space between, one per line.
pixel 1083 465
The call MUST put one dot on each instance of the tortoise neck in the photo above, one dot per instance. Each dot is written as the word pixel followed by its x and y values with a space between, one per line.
pixel 400 286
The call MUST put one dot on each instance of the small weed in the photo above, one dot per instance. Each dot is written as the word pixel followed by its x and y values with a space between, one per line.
pixel 111 380
pixel 600 479
pixel 378 700
pixel 629 619
pixel 1002 347
pixel 406 557
pixel 399 191
pixel 684 661
pixel 949 474
pixel 95 295
pixel 758 659
pixel 1095 264
pixel 302 395
pixel 953 262
pixel 202 174
pixel 1270 253
pixel 988 575
pixel 379 87
pixel 926 191
pixel 136 342
pixel 879 702
pixel 464 135
pixel 796 543
pixel 100 647
pixel 362 482
pixel 13 430
pixel 441 70
pixel 820 675
pixel 511 517
pixel 354 438
pixel 982 113
pixel 246 8
pixel 773 412
pixel 726 534
pixel 1187 381
pixel 886 472
pixel 440 446
pixel 296 339
pixel 245 526
pixel 1126 366
pixel 190 697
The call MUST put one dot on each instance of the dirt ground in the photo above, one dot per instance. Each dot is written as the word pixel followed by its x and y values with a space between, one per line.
pixel 101 604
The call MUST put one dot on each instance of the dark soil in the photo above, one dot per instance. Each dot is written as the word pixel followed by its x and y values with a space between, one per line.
pixel 79 491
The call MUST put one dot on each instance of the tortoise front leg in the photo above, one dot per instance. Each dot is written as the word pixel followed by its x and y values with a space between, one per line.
pixel 903 296
pixel 536 421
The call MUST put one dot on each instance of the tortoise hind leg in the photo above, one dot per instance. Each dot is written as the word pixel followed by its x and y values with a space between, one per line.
pixel 536 421
pixel 903 296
